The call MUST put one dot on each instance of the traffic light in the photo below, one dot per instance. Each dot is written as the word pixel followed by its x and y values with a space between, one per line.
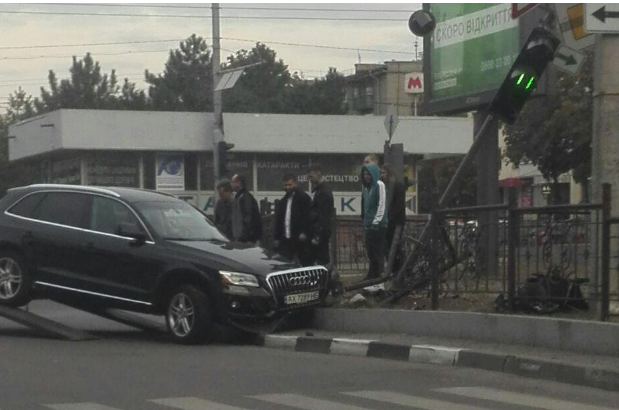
pixel 223 147
pixel 522 79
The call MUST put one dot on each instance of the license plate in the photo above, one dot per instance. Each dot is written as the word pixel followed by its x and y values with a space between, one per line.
pixel 301 298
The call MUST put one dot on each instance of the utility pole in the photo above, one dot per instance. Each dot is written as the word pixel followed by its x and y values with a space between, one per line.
pixel 218 132
pixel 605 147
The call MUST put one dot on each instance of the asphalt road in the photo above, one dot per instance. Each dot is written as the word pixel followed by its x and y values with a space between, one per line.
pixel 131 370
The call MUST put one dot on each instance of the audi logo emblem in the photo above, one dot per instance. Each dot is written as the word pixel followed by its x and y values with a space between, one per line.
pixel 302 281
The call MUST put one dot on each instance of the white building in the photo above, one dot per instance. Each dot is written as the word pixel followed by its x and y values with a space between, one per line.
pixel 172 151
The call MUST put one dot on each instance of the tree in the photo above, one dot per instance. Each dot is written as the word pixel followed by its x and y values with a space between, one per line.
pixel 87 87
pixel 320 96
pixel 438 173
pixel 261 88
pixel 131 98
pixel 20 107
pixel 186 83
pixel 554 132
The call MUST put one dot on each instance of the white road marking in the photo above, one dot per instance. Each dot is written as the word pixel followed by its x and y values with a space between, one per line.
pixel 79 406
pixel 304 402
pixel 193 403
pixel 520 399
pixel 412 401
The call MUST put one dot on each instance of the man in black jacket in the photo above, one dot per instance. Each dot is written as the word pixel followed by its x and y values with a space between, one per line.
pixel 320 215
pixel 246 219
pixel 223 209
pixel 291 228
pixel 396 209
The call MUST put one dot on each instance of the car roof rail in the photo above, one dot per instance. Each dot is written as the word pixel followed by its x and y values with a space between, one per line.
pixel 152 191
pixel 77 188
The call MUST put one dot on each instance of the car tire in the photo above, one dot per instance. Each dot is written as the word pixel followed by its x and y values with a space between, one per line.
pixel 189 316
pixel 15 281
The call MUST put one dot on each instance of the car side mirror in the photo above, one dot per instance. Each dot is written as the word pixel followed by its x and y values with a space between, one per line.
pixel 133 231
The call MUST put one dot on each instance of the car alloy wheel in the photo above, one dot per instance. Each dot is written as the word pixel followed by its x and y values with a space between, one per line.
pixel 181 315
pixel 11 278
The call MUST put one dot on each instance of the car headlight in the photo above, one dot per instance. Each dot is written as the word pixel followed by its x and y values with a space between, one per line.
pixel 238 279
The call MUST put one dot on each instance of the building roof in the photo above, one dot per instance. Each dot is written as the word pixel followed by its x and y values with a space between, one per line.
pixel 94 130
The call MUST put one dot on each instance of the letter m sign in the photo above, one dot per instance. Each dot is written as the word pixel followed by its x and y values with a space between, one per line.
pixel 413 83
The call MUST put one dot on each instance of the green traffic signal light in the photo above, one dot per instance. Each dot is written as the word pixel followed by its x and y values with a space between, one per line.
pixel 524 79
pixel 536 53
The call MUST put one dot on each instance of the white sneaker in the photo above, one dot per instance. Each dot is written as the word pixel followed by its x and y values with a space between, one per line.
pixel 374 288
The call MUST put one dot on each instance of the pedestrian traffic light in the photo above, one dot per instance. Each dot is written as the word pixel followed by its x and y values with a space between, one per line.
pixel 222 148
pixel 523 77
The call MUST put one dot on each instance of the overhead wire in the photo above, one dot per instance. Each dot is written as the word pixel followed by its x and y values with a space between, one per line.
pixel 53 13
pixel 166 6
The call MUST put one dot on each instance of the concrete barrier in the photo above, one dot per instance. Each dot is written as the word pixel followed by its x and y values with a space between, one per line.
pixel 563 334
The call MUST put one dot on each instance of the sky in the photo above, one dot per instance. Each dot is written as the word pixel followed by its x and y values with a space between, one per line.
pixel 24 62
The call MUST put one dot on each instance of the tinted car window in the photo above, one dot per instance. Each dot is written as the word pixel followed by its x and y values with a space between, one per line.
pixel 65 208
pixel 177 220
pixel 107 215
pixel 28 206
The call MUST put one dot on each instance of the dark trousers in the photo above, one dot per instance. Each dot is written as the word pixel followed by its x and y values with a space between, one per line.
pixel 399 252
pixel 319 254
pixel 291 248
pixel 375 244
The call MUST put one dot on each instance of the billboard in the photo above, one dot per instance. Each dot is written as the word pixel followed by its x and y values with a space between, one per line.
pixel 468 55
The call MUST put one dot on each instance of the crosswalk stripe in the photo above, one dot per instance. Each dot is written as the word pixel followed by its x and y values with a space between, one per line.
pixel 193 403
pixel 411 401
pixel 520 399
pixel 304 402
pixel 79 406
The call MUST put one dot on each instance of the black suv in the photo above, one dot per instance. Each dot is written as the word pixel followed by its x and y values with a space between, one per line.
pixel 143 251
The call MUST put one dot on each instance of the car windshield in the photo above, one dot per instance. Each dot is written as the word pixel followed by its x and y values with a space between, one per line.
pixel 179 221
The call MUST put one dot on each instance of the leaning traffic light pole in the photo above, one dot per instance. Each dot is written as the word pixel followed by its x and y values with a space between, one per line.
pixel 520 82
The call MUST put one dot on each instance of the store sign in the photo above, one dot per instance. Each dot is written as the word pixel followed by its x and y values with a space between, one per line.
pixel 413 83
pixel 170 172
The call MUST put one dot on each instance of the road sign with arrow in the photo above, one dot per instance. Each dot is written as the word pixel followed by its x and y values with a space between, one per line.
pixel 602 18
pixel 568 59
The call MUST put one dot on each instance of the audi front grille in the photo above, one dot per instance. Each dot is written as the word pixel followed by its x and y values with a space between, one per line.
pixel 298 282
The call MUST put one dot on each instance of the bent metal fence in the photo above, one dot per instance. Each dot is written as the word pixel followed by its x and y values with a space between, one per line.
pixel 543 258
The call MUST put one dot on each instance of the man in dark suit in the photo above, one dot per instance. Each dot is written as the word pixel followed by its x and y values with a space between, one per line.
pixel 223 209
pixel 246 219
pixel 291 229
pixel 321 213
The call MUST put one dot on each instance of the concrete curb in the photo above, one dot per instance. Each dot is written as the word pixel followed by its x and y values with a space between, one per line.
pixel 551 333
pixel 597 377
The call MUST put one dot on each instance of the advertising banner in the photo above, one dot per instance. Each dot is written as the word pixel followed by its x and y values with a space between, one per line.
pixel 170 172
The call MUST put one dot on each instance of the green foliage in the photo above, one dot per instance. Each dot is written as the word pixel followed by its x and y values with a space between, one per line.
pixel 186 82
pixel 321 96
pixel 554 132
pixel 438 173
pixel 262 88
pixel 87 87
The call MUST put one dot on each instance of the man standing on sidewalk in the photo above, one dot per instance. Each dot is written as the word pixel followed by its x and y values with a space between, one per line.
pixel 374 217
pixel 321 211
pixel 223 209
pixel 290 232
pixel 246 219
